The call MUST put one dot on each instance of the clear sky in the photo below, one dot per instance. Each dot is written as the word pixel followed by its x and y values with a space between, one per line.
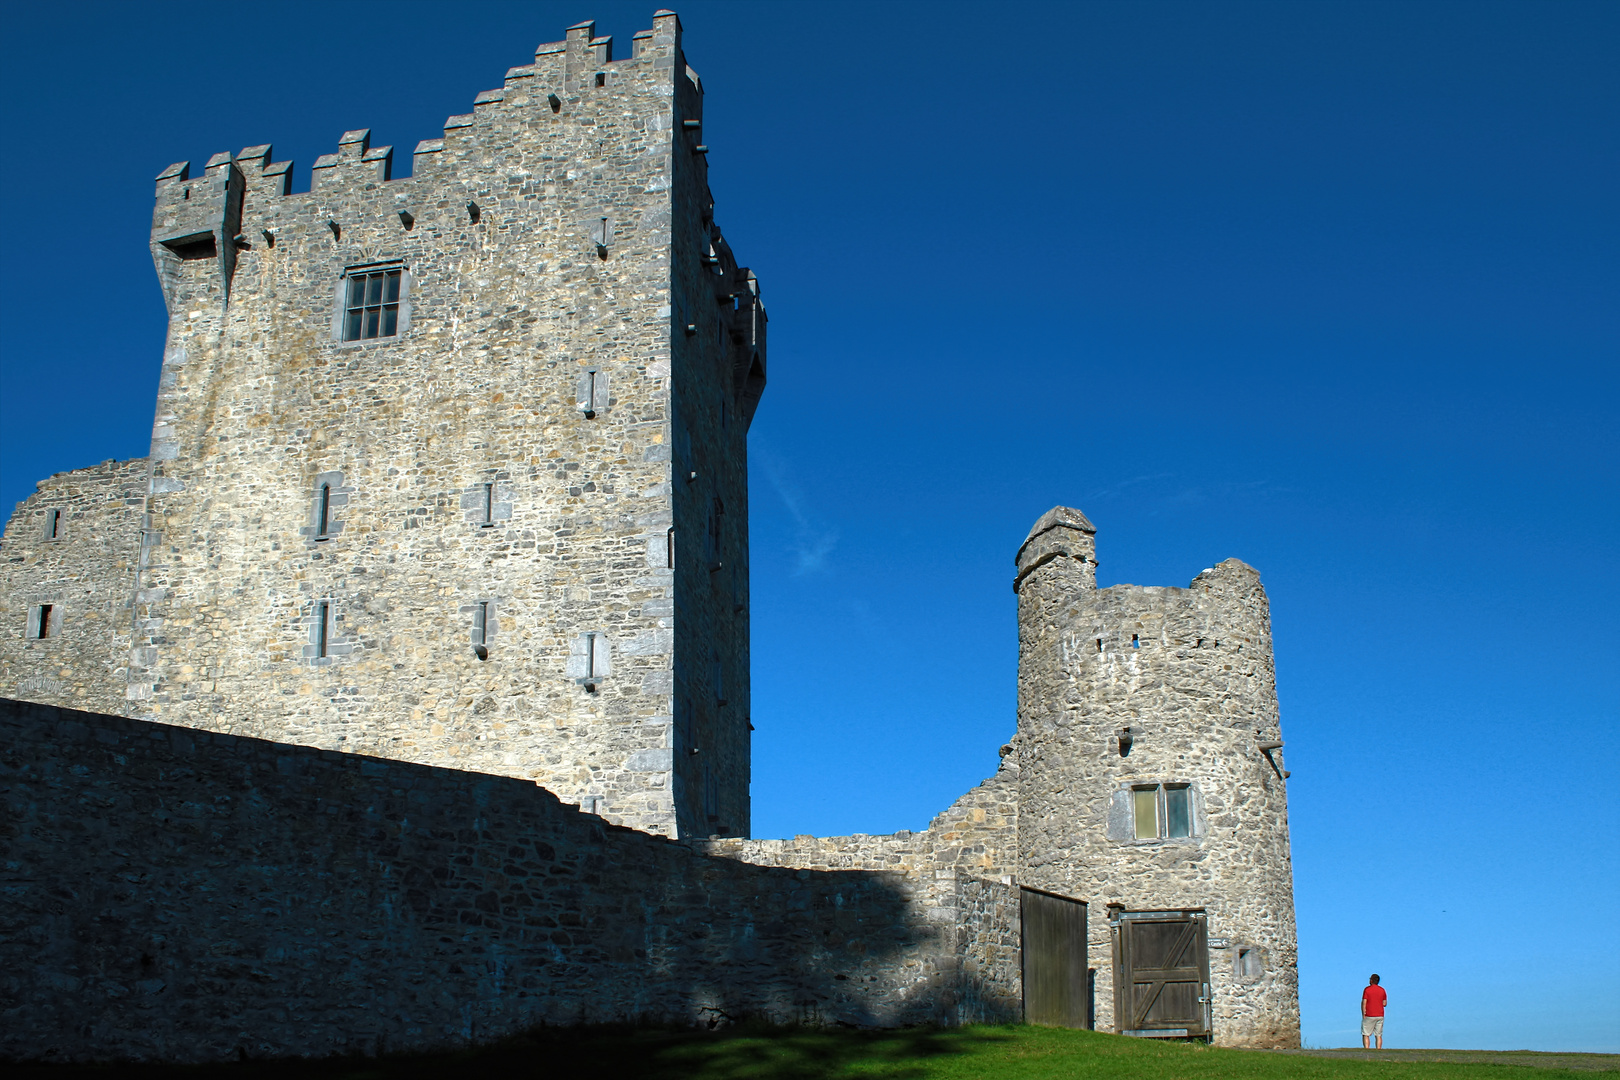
pixel 1331 288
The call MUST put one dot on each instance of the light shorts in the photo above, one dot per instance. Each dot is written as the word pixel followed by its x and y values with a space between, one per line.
pixel 1372 1025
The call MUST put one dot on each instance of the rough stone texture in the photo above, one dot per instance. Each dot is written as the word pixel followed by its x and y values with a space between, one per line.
pixel 561 231
pixel 552 447
pixel 249 896
pixel 975 837
pixel 1188 673
pixel 86 572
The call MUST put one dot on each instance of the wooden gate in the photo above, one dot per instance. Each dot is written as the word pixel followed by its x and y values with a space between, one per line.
pixel 1161 974
pixel 1054 949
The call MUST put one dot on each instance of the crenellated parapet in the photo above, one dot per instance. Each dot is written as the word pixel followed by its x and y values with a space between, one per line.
pixel 549 123
pixel 197 222
pixel 356 163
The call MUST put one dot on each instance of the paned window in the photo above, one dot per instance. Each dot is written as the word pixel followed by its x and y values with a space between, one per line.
pixel 1162 811
pixel 371 307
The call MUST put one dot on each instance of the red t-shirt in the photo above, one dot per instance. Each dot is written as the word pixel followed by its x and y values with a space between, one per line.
pixel 1372 1001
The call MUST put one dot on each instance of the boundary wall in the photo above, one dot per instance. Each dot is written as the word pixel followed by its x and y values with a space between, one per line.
pixel 173 894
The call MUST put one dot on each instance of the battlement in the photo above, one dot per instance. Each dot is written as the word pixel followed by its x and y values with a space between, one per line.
pixel 553 123
pixel 565 77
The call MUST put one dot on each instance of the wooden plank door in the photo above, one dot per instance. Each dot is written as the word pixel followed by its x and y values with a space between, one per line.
pixel 1161 974
pixel 1054 953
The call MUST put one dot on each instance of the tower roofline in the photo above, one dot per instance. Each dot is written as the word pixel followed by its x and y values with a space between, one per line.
pixel 1066 517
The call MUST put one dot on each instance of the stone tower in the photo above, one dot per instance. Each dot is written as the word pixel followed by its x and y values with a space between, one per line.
pixel 449 468
pixel 1150 774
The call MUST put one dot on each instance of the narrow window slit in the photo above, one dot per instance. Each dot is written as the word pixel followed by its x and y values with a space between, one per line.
pixel 480 631
pixel 44 628
pixel 1135 642
pixel 591 664
pixel 323 615
pixel 53 524
pixel 489 506
pixel 323 513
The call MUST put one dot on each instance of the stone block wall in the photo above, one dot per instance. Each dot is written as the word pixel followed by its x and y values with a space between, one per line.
pixel 183 895
pixel 73 545
pixel 548 454
pixel 1139 687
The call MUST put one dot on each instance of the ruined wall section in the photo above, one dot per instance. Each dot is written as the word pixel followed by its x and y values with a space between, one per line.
pixel 956 875
pixel 71 547
pixel 507 455
pixel 976 837
pixel 415 907
pixel 1184 678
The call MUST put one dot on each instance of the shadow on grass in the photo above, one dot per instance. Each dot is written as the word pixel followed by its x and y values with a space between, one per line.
pixel 743 1052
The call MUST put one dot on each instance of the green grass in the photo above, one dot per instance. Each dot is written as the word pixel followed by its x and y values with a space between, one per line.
pixel 760 1053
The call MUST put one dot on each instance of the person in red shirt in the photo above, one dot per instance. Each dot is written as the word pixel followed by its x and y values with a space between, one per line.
pixel 1372 1015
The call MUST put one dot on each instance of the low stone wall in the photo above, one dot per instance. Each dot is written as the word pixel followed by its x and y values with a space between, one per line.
pixel 182 895
pixel 941 868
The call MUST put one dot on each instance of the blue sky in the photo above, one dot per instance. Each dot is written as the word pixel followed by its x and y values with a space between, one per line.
pixel 1327 287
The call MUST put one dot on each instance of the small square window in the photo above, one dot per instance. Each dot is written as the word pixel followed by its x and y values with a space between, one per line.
pixel 1161 812
pixel 371 304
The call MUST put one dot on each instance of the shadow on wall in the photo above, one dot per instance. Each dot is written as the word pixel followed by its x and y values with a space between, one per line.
pixel 182 895
pixel 623 1052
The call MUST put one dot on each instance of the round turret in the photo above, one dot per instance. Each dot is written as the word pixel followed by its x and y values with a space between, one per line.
pixel 1152 787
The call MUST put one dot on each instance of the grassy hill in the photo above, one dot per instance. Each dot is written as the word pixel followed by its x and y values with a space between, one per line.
pixel 1005 1053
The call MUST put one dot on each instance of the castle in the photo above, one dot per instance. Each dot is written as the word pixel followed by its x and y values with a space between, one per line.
pixel 446 512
